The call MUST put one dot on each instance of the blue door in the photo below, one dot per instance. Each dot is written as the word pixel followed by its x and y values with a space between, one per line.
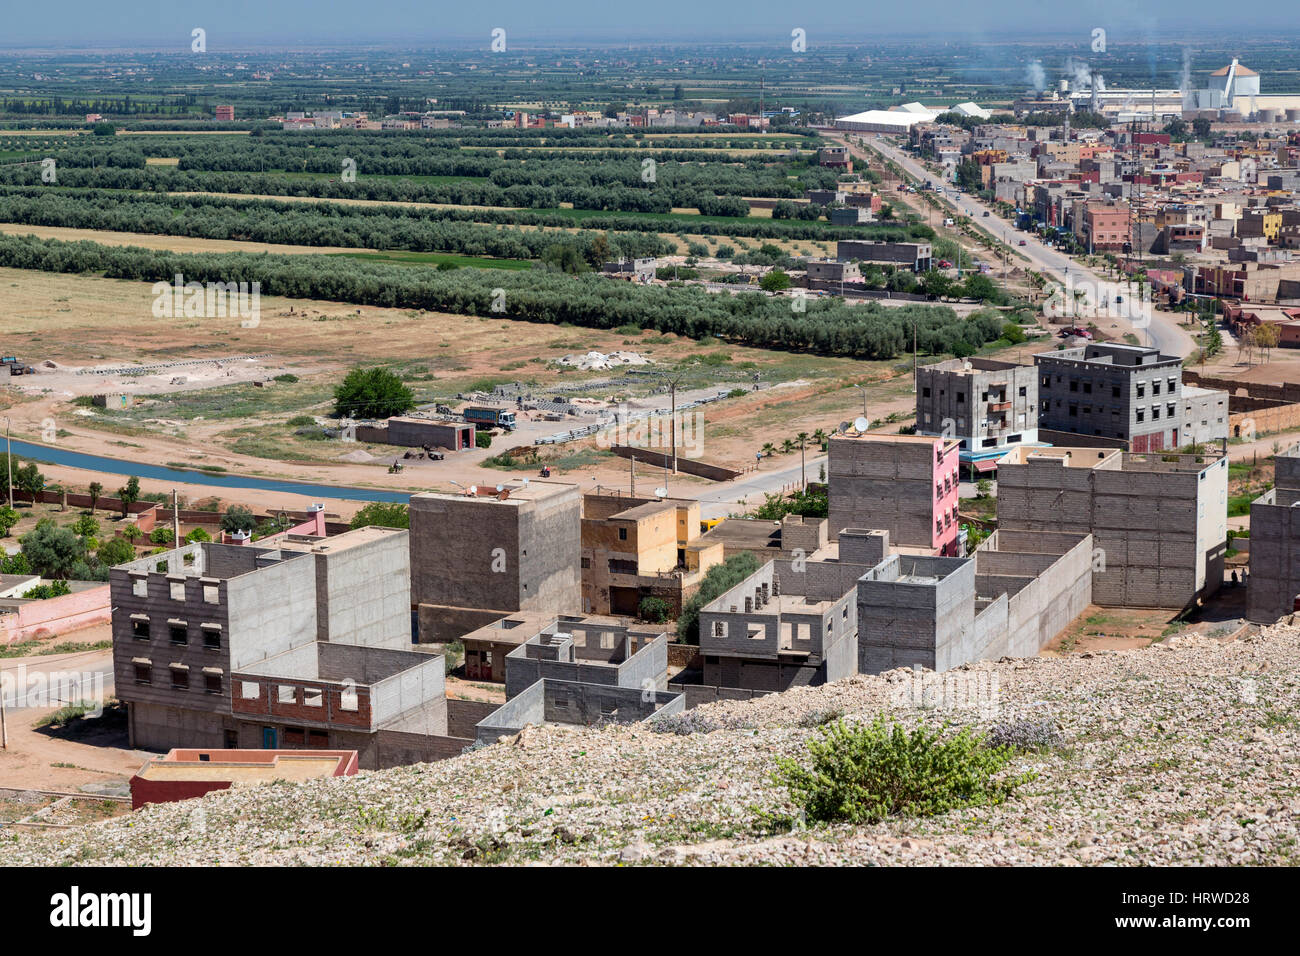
pixel 268 738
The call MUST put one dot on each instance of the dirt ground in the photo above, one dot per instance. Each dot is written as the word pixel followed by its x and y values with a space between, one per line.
pixel 80 322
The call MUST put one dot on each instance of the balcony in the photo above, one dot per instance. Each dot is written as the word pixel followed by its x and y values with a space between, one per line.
pixel 1004 406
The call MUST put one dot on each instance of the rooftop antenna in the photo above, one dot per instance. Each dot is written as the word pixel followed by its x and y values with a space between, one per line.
pixel 861 425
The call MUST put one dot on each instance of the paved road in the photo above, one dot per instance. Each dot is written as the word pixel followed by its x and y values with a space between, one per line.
pixel 721 500
pixel 1163 331
pixel 44 682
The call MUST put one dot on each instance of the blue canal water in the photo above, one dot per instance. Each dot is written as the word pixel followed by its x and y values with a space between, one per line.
pixel 115 466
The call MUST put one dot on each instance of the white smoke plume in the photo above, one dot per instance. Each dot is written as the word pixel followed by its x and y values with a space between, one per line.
pixel 1036 75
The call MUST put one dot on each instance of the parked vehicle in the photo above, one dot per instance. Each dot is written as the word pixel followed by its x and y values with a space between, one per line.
pixel 491 417
pixel 1023 243
pixel 15 366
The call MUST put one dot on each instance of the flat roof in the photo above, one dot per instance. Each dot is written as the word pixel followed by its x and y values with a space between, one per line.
pixel 535 489
pixel 247 769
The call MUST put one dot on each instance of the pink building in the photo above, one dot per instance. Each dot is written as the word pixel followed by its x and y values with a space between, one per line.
pixel 903 484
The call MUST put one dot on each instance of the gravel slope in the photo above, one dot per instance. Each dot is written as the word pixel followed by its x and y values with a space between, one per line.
pixel 1183 753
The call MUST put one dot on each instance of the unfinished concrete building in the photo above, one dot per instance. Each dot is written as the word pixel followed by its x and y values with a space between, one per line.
pixel 387 705
pixel 1159 522
pixel 1017 593
pixel 904 484
pixel 768 540
pixel 987 405
pixel 589 651
pixel 774 631
pixel 583 670
pixel 1129 393
pixel 477 557
pixel 1274 582
pixel 185 619
pixel 638 548
pixel 585 705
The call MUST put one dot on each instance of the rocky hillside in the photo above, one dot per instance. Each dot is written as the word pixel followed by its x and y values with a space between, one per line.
pixel 1186 752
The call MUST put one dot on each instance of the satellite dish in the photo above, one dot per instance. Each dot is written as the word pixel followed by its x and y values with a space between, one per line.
pixel 500 487
pixel 861 424
pixel 843 427
pixel 661 492
pixel 473 489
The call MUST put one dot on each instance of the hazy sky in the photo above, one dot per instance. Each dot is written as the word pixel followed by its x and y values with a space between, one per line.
pixel 230 24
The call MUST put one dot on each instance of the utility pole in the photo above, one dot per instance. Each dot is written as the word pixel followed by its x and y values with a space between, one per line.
pixel 176 521
pixel 672 390
pixel 631 469
pixel 9 462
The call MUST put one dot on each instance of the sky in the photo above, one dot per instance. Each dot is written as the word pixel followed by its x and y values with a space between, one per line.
pixel 241 24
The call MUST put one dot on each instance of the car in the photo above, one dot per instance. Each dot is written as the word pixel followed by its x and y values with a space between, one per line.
pixel 945 264
pixel 986 212
pixel 1023 243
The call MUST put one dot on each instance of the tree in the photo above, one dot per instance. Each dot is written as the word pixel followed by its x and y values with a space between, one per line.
pixel 52 550
pixel 198 534
pixel 383 514
pixel 115 551
pixel 774 281
pixel 1201 127
pixel 86 526
pixel 372 393
pixel 28 478
pixel 129 494
pixel 980 287
pixel 96 489
pixel 8 518
pixel 238 518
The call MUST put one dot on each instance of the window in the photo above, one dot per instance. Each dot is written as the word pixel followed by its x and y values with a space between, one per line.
pixel 143 674
pixel 180 678
pixel 1045 383
pixel 211 594
pixel 249 690
pixel 287 693
pixel 1023 394
pixel 139 586
pixel 1155 413
pixel 1142 390
pixel 178 632
pixel 176 590
pixel 961 398
pixel 622 534
pixel 1087 388
pixel 313 697
pixel 1141 415
pixel 212 683
pixel 586 563
pixel 140 628
pixel 1114 391
pixel 925 392
pixel 1074 385
pixel 211 638
pixel 1155 389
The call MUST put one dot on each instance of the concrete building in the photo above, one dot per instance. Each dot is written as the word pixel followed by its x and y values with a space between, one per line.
pixel 986 405
pixel 584 671
pixel 1126 392
pixel 916 256
pixel 903 484
pixel 1128 395
pixel 420 433
pixel 584 705
pixel 477 557
pixel 780 629
pixel 638 548
pixel 388 705
pixel 184 620
pixel 1015 595
pixel 1158 522
pixel 635 270
pixel 1274 582
pixel 589 650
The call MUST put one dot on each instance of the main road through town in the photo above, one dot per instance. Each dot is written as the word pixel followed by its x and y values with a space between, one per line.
pixel 1163 331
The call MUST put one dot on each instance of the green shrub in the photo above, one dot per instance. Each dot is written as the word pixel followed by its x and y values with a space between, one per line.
pixel 288 378
pixel 301 421
pixel 482 439
pixel 863 773
pixel 654 609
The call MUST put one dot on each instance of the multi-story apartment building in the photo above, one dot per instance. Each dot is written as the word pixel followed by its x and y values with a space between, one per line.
pixel 476 557
pixel 1126 392
pixel 986 405
pixel 186 619
pixel 903 484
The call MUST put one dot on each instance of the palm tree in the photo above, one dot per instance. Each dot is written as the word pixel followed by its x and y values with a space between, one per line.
pixel 769 449
pixel 787 446
pixel 819 436
pixel 96 489
pixel 803 471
